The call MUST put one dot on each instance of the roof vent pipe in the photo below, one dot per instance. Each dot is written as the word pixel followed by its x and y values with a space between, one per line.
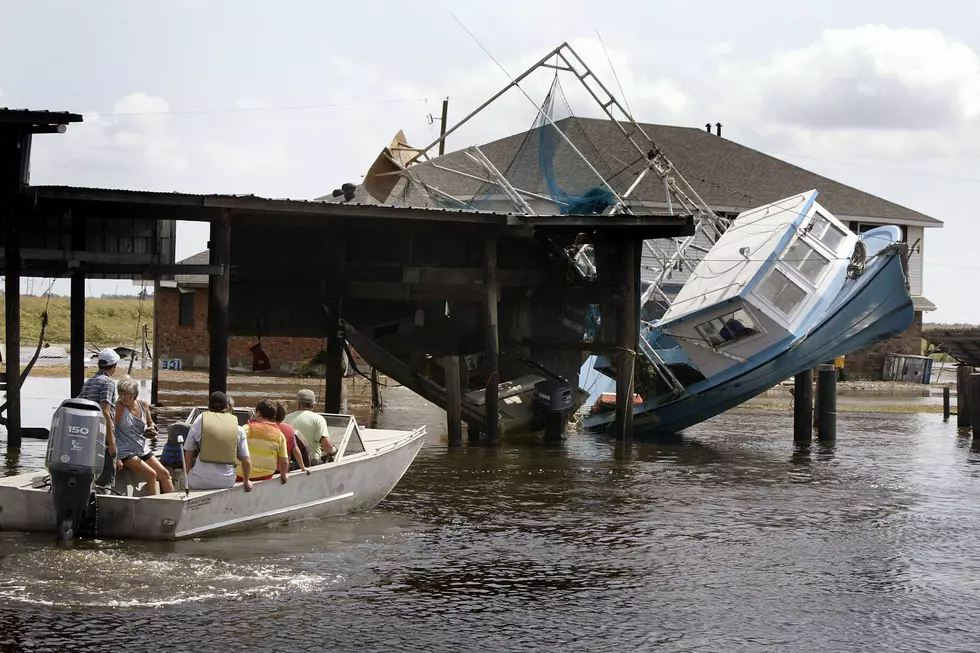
pixel 718 128
pixel 707 127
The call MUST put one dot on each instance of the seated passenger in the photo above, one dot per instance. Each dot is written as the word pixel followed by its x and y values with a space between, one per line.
pixel 131 423
pixel 213 443
pixel 311 427
pixel 292 442
pixel 266 445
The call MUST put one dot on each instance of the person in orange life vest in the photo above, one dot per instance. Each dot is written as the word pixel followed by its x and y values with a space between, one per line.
pixel 292 442
pixel 266 445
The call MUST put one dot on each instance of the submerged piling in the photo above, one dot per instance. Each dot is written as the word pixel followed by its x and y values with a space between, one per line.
pixel 973 390
pixel 946 404
pixel 826 403
pixel 803 408
pixel 963 373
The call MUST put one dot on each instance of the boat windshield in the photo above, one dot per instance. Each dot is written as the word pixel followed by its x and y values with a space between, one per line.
pixel 779 291
pixel 826 232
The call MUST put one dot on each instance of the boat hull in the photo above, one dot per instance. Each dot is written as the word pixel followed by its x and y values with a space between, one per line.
pixel 353 484
pixel 869 309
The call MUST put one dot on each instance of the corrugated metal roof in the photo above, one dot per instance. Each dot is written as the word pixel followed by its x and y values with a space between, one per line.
pixel 38 116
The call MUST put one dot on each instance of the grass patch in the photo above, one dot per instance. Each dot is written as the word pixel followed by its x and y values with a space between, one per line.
pixel 108 321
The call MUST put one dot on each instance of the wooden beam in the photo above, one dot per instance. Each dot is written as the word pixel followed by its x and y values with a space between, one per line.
pixel 218 291
pixel 444 275
pixel 12 333
pixel 77 329
pixel 393 291
pixel 492 354
pixel 570 345
pixel 454 400
pixel 629 336
pixel 336 247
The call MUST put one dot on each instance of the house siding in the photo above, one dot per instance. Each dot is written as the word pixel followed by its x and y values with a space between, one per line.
pixel 191 343
pixel 915 260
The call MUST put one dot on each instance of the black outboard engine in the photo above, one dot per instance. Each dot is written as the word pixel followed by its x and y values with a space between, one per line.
pixel 552 404
pixel 76 454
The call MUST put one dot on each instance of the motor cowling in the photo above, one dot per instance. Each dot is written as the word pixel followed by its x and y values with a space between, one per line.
pixel 74 458
pixel 553 401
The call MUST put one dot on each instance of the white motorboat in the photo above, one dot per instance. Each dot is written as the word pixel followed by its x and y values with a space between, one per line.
pixel 368 465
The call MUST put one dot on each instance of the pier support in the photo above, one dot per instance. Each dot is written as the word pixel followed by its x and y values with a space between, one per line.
pixel 628 322
pixel 492 355
pixel 454 399
pixel 963 414
pixel 803 407
pixel 334 389
pixel 377 402
pixel 218 290
pixel 973 389
pixel 826 403
pixel 12 332
pixel 77 333
pixel 946 410
pixel 155 383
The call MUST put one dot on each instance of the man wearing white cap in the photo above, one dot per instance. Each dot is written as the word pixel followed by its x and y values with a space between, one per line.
pixel 102 390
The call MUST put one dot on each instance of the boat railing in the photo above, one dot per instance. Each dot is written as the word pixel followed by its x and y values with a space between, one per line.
pixel 420 431
pixel 660 367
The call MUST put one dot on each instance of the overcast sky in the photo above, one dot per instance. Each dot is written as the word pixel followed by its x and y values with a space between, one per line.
pixel 880 95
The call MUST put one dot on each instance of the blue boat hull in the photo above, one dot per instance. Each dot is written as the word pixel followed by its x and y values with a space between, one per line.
pixel 871 308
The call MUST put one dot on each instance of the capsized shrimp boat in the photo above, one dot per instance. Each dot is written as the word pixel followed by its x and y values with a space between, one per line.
pixel 368 465
pixel 786 287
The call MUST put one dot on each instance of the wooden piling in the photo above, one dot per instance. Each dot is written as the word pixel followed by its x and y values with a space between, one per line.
pixel 12 299
pixel 492 353
pixel 377 402
pixel 628 340
pixel 963 414
pixel 946 410
pixel 218 291
pixel 155 383
pixel 803 408
pixel 77 333
pixel 973 388
pixel 334 389
pixel 826 403
pixel 454 398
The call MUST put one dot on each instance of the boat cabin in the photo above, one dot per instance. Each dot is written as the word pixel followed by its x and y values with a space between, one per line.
pixel 760 285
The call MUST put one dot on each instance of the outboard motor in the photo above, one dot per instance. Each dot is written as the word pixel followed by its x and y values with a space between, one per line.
pixel 76 454
pixel 552 403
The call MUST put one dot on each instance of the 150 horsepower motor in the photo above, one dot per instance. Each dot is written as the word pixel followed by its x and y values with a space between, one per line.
pixel 553 401
pixel 76 454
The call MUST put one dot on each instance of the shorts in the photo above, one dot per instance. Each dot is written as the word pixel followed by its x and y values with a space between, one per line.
pixel 143 456
pixel 239 479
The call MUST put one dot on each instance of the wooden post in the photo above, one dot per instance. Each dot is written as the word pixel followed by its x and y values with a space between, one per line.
pixel 946 410
pixel 803 408
pixel 442 126
pixel 77 333
pixel 973 387
pixel 826 403
pixel 454 398
pixel 628 319
pixel 377 402
pixel 492 354
pixel 218 291
pixel 963 373
pixel 12 297
pixel 155 383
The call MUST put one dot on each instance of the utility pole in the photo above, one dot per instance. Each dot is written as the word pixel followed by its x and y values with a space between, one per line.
pixel 442 127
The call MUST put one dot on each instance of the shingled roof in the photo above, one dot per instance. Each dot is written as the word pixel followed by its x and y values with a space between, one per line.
pixel 194 280
pixel 728 176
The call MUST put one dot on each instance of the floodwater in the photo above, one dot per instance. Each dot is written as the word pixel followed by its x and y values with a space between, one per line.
pixel 725 539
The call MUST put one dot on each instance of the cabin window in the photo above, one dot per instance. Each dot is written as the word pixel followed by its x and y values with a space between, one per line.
pixel 727 328
pixel 186 309
pixel 826 232
pixel 782 293
pixel 806 260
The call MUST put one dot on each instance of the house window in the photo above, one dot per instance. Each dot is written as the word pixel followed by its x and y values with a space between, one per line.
pixel 727 328
pixel 186 317
pixel 806 260
pixel 782 293
pixel 826 232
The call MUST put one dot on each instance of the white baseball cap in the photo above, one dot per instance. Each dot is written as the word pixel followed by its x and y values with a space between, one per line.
pixel 108 358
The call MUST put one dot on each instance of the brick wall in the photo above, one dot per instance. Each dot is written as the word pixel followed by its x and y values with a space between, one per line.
pixel 867 363
pixel 191 343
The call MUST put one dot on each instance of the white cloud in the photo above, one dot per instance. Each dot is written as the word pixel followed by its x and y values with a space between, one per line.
pixel 870 77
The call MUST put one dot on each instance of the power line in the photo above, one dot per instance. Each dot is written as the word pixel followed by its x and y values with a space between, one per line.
pixel 299 107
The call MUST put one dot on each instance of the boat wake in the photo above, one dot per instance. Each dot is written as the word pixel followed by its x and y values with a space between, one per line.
pixel 131 579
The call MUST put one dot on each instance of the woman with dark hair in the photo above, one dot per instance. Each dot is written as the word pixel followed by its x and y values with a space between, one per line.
pixel 266 444
pixel 294 445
